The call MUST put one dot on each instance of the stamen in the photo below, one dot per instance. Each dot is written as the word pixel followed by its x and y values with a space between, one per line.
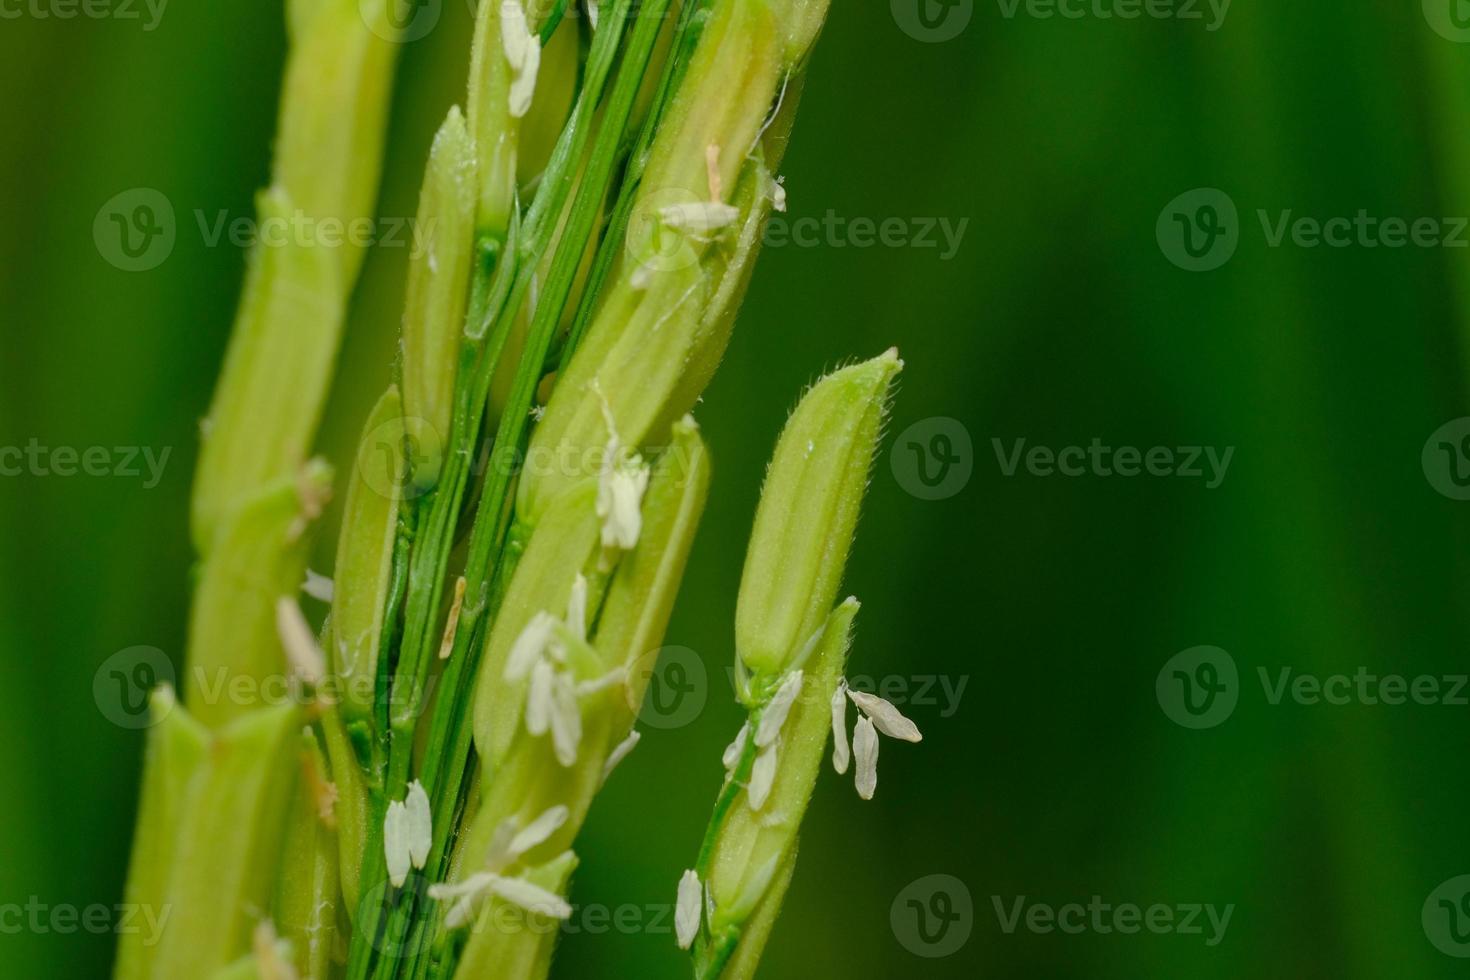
pixel 686 910
pixel 773 719
pixel 528 647
pixel 865 749
pixel 566 720
pixel 540 830
pixel 736 748
pixel 712 172
pixel 395 843
pixel 620 753
pixel 613 678
pixel 763 776
pixel 840 754
pixel 539 699
pixel 890 720
pixel 302 653
pixel 452 627
pixel 420 828
pixel 699 217
pixel 318 586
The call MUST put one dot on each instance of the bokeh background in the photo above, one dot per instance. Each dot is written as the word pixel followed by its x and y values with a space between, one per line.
pixel 1056 601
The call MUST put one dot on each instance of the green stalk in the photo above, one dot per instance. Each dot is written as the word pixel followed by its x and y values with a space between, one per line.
pixel 486 332
pixel 229 845
pixel 176 748
pixel 728 101
pixel 504 271
pixel 526 777
pixel 714 96
pixel 791 652
pixel 722 277
pixel 213 848
pixel 490 522
pixel 328 156
pixel 723 274
pixel 309 884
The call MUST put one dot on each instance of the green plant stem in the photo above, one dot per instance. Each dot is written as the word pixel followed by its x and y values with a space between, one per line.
pixel 495 319
pixel 718 957
pixel 498 292
pixel 711 953
pixel 450 737
pixel 435 516
pixel 686 37
pixel 738 778
pixel 447 758
pixel 492 520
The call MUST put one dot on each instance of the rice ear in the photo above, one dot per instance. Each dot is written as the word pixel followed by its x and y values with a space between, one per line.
pixel 177 745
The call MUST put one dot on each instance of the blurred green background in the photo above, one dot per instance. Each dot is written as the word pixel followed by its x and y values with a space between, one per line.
pixel 1055 600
